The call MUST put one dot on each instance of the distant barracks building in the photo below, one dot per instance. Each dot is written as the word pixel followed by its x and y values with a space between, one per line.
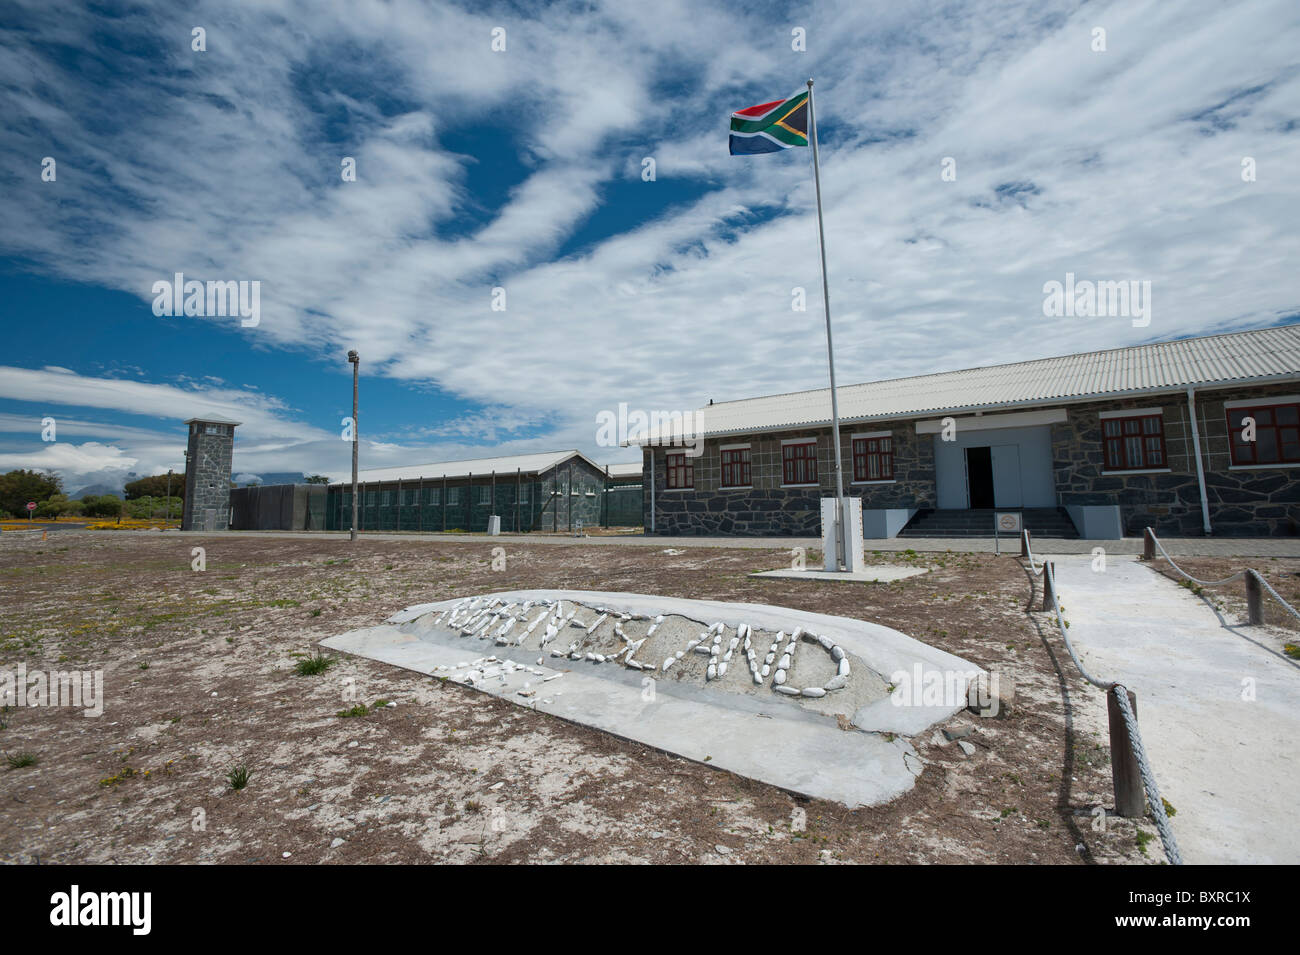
pixel 1192 437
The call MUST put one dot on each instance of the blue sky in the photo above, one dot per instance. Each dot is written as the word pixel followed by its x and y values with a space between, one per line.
pixel 522 169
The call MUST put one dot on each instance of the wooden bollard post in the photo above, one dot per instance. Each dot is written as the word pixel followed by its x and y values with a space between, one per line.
pixel 1148 544
pixel 1024 542
pixel 1254 599
pixel 1049 591
pixel 1126 777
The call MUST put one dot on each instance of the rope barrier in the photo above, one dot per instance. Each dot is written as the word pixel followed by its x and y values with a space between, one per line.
pixel 1154 801
pixel 1148 778
pixel 1249 571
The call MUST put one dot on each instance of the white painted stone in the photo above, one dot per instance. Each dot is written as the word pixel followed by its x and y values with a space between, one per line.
pixel 813 691
pixel 837 653
pixel 722 669
pixel 785 662
pixel 770 658
pixel 787 690
pixel 779 678
pixel 844 667
pixel 712 672
pixel 837 683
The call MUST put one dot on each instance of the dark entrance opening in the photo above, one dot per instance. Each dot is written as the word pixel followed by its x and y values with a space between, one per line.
pixel 979 476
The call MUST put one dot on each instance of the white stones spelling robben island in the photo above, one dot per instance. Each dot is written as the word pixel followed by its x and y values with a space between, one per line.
pixel 511 623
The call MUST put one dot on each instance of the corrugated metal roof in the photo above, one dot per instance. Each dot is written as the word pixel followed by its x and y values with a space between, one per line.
pixel 1263 354
pixel 625 469
pixel 526 463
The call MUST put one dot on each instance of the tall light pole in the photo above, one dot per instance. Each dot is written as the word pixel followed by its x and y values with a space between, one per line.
pixel 169 494
pixel 355 359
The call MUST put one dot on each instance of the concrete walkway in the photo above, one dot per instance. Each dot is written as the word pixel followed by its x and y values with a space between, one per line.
pixel 1179 547
pixel 1227 762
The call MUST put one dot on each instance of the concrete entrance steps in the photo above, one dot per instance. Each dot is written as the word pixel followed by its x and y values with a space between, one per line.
pixel 978 522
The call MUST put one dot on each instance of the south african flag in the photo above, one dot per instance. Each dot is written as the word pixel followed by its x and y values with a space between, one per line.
pixel 770 127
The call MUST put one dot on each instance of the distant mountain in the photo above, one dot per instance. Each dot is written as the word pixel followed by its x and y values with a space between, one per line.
pixel 95 490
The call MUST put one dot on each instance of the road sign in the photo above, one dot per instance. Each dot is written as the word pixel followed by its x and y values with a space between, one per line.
pixel 1008 523
pixel 31 505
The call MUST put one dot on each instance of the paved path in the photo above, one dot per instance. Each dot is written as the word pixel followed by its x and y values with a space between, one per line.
pixel 1229 766
pixel 1184 547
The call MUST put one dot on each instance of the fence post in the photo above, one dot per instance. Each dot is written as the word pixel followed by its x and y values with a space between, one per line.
pixel 1254 599
pixel 1126 777
pixel 1024 542
pixel 1148 544
pixel 1049 586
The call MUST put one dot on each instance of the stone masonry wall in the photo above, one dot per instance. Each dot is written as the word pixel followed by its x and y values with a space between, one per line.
pixel 1243 502
pixel 207 477
pixel 767 508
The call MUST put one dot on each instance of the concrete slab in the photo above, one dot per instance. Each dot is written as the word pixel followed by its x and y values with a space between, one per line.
pixel 782 740
pixel 882 574
pixel 1219 712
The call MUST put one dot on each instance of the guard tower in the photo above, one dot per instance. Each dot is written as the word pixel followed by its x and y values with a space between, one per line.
pixel 207 474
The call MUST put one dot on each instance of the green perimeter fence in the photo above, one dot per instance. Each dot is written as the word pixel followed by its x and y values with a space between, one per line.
pixel 433 505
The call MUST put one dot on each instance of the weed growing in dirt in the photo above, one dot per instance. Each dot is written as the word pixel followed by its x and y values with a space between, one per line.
pixel 358 710
pixel 238 777
pixel 315 665
pixel 19 760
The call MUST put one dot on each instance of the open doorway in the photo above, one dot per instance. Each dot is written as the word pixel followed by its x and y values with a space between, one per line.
pixel 979 476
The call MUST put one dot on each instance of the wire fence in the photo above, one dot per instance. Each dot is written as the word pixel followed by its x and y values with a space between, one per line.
pixel 1121 696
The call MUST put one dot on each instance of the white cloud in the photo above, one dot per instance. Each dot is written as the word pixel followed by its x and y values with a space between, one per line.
pixel 1123 164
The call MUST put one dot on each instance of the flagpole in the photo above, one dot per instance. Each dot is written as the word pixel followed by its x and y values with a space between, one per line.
pixel 842 545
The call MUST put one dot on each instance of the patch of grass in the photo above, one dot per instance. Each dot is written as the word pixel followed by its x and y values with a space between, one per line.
pixel 314 665
pixel 316 612
pixel 1170 811
pixel 1143 838
pixel 238 776
pixel 358 710
pixel 144 664
pixel 1292 650
pixel 19 760
pixel 473 806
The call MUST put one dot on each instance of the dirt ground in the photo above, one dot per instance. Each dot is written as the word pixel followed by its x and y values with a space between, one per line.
pixel 200 677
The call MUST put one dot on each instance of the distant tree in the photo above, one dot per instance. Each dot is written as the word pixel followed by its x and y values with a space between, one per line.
pixel 19 487
pixel 103 505
pixel 58 505
pixel 318 479
pixel 155 486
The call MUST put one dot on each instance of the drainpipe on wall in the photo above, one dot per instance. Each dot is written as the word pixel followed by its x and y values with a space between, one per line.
pixel 1200 466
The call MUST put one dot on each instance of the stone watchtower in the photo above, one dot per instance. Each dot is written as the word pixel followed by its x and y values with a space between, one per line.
pixel 207 474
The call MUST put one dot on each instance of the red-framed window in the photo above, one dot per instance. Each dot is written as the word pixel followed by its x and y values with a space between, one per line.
pixel 735 467
pixel 1277 434
pixel 799 463
pixel 681 470
pixel 873 459
pixel 1134 443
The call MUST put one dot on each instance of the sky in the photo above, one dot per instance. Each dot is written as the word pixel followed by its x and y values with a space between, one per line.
pixel 506 265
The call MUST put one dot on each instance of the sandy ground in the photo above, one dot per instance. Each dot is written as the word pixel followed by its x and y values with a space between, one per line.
pixel 199 670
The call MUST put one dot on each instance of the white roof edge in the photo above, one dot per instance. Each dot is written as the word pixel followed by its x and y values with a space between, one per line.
pixel 825 423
